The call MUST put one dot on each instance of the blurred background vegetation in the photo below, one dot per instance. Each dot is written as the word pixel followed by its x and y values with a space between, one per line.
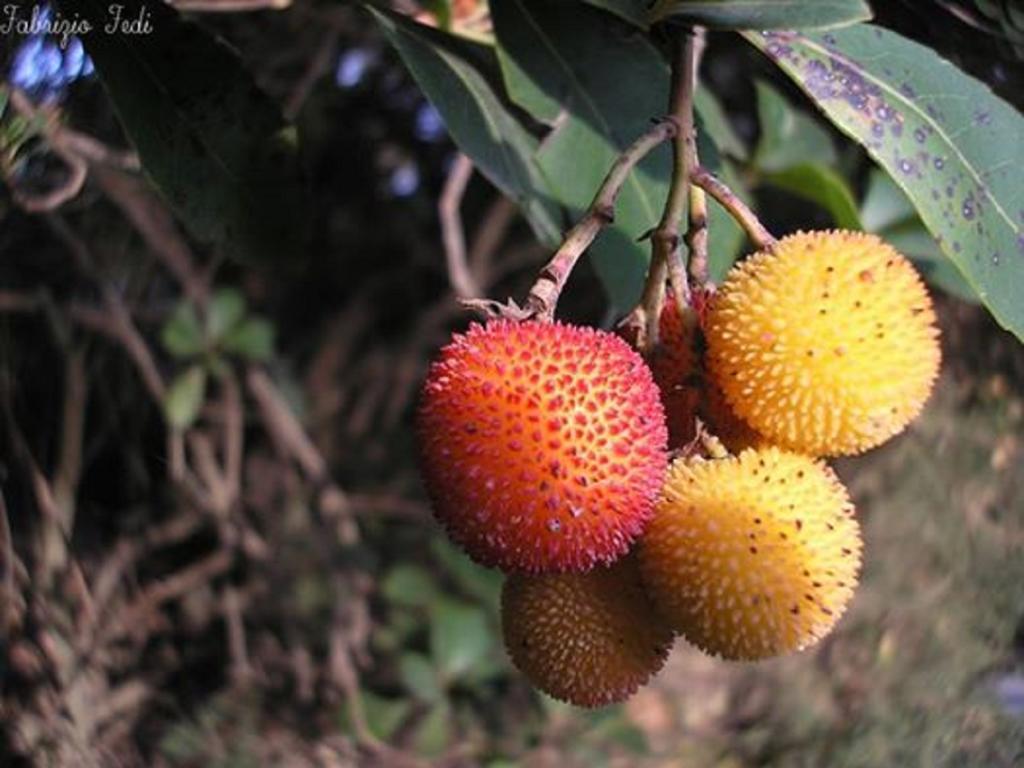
pixel 215 548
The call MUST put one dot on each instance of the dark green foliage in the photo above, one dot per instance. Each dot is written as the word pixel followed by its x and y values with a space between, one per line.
pixel 762 14
pixel 214 145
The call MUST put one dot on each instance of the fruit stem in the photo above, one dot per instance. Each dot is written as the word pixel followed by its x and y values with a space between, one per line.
pixel 703 178
pixel 665 240
pixel 543 296
pixel 697 234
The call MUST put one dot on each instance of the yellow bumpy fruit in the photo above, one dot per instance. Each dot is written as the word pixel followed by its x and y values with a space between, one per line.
pixel 751 556
pixel 825 345
pixel 589 639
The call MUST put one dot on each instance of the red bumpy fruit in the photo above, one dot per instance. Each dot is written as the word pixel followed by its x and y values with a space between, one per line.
pixel 542 445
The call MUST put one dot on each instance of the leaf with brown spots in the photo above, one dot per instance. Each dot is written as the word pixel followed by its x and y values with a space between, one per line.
pixel 954 147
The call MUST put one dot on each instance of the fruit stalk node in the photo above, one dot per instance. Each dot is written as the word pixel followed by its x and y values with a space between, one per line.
pixel 740 211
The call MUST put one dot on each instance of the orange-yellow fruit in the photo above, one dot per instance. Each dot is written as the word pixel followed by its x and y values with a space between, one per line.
pixel 542 445
pixel 826 345
pixel 687 392
pixel 753 555
pixel 722 421
pixel 675 365
pixel 589 639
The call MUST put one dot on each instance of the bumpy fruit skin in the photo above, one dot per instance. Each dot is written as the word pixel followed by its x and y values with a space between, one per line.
pixel 589 639
pixel 675 365
pixel 826 345
pixel 752 556
pixel 722 421
pixel 687 392
pixel 542 445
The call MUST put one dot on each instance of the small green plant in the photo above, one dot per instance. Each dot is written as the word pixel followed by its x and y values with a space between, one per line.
pixel 205 340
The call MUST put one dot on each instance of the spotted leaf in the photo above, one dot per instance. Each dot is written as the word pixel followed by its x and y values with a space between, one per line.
pixel 954 147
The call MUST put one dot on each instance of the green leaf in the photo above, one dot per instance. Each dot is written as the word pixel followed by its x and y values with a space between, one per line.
pixel 888 212
pixel 633 11
pixel 916 243
pixel 490 667
pixel 253 339
pixel 185 397
pixel 434 731
pixel 820 184
pixel 226 310
pixel 442 9
pixel 788 137
pixel 182 334
pixel 459 637
pixel 762 14
pixel 419 677
pixel 409 585
pixel 885 205
pixel 716 124
pixel 383 716
pixel 458 77
pixel 474 580
pixel 949 143
pixel 397 632
pixel 611 82
pixel 211 141
pixel 725 237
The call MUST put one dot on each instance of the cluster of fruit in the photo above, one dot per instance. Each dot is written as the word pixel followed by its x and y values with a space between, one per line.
pixel 546 448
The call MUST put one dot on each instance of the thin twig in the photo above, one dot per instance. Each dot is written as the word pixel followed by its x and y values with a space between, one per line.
pixel 543 296
pixel 124 701
pixel 56 197
pixel 665 238
pixel 51 557
pixel 74 149
pixel 177 585
pixel 697 236
pixel 292 440
pixel 77 167
pixel 176 469
pixel 697 232
pixel 114 319
pixel 234 436
pixel 7 608
pixel 305 676
pixel 130 550
pixel 117 325
pixel 210 473
pixel 96 152
pixel 448 211
pixel 111 576
pixel 341 668
pixel 284 427
pixel 490 234
pixel 241 670
pixel 69 467
pixel 739 210
pixel 151 220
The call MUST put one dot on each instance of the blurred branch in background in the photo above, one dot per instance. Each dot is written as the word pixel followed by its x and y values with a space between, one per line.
pixel 448 208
